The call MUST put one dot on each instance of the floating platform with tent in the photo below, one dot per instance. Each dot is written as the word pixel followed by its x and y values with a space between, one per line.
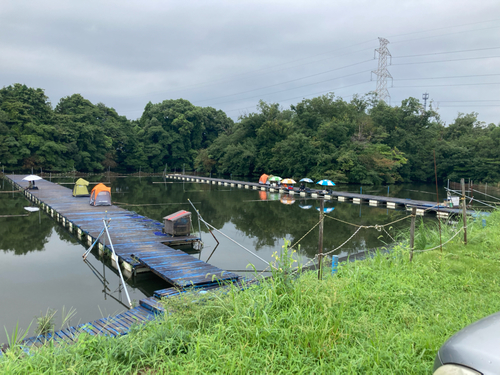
pixel 134 237
pixel 140 244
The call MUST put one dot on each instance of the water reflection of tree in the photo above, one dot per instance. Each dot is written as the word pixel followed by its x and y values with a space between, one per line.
pixel 26 233
pixel 267 222
pixel 22 234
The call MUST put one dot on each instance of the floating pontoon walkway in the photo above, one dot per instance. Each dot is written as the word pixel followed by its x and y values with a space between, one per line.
pixel 137 240
pixel 112 326
pixel 372 200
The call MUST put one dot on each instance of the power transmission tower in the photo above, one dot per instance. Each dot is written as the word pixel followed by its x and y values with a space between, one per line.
pixel 425 96
pixel 382 72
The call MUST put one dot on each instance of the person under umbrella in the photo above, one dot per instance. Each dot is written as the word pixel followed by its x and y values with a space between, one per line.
pixel 326 183
pixel 31 179
pixel 303 185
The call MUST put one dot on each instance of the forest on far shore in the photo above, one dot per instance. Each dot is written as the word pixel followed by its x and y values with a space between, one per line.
pixel 362 141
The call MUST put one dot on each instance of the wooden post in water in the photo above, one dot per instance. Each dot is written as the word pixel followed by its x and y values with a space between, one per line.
pixel 464 209
pixel 412 231
pixel 320 242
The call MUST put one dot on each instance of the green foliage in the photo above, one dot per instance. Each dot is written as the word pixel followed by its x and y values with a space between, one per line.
pixel 174 131
pixel 362 141
pixel 45 323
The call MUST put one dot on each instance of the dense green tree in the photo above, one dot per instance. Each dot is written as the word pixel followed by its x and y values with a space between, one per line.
pixel 28 137
pixel 362 141
pixel 175 130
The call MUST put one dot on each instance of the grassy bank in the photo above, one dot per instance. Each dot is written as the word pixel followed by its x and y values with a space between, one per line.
pixel 379 316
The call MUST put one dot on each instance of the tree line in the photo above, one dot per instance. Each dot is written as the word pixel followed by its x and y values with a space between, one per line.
pixel 361 141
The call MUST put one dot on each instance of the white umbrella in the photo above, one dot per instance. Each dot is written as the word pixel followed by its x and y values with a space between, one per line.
pixel 32 177
pixel 31 209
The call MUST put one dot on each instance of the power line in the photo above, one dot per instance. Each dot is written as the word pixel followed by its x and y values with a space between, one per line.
pixel 450 85
pixel 470 105
pixel 231 78
pixel 277 92
pixel 311 94
pixel 466 101
pixel 436 36
pixel 446 77
pixel 358 44
pixel 436 61
pixel 443 53
pixel 295 80
pixel 343 48
pixel 443 28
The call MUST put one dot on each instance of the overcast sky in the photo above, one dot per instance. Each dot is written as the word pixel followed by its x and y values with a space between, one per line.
pixel 230 54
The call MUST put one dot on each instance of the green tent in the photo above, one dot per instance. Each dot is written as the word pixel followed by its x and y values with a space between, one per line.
pixel 80 189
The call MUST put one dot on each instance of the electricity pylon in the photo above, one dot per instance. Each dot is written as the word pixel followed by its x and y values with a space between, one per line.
pixel 382 72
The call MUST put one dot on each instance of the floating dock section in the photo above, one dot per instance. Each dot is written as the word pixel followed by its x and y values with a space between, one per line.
pixel 139 245
pixel 422 207
pixel 137 240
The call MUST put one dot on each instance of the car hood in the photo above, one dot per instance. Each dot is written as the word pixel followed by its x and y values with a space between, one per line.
pixel 476 346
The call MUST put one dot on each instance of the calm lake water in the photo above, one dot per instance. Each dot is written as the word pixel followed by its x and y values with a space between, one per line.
pixel 41 267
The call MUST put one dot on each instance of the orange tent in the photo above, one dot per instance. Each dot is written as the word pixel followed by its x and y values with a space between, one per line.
pixel 263 179
pixel 100 195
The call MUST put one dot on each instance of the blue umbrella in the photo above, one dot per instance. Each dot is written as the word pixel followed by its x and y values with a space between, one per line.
pixel 327 210
pixel 306 180
pixel 326 183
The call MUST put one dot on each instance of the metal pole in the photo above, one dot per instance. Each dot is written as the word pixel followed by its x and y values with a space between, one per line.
pixel 86 253
pixel 464 210
pixel 320 240
pixel 115 258
pixel 199 224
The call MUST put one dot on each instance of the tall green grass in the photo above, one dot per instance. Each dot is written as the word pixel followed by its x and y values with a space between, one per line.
pixel 383 315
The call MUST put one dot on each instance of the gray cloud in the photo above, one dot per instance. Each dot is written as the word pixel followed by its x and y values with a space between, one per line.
pixel 126 53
